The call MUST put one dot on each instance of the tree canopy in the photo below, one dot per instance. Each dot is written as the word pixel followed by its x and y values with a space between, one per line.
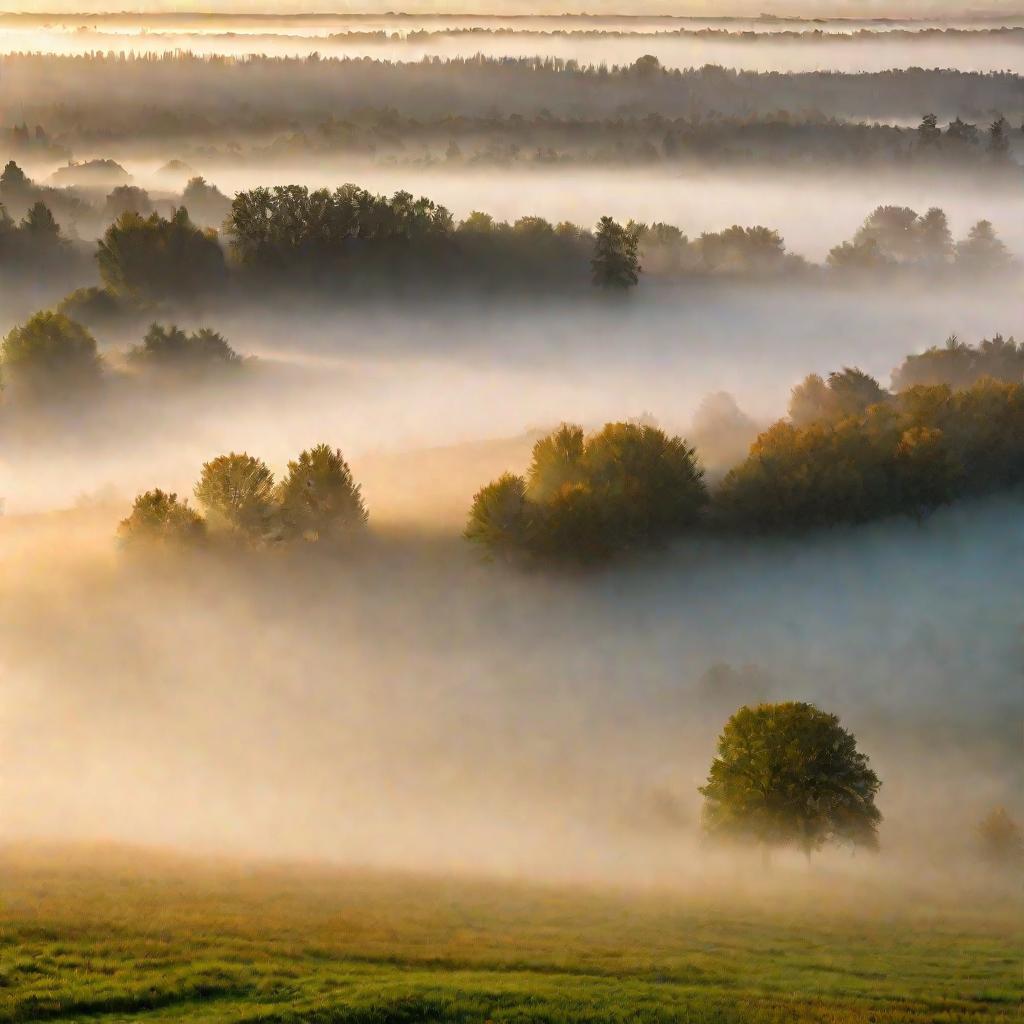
pixel 50 354
pixel 586 498
pixel 790 774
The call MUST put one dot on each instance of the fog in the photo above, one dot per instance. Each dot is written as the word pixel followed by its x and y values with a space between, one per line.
pixel 413 708
pixel 383 381
pixel 404 703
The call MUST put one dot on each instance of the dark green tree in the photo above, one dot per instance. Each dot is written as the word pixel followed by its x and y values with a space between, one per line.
pixel 789 774
pixel 615 264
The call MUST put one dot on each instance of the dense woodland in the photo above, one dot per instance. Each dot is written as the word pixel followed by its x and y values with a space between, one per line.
pixel 103 96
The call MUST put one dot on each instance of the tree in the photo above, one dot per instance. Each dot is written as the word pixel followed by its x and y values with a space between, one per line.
pixel 39 225
pixel 318 497
pixel 1000 838
pixel 13 181
pixel 999 139
pixel 982 251
pixel 615 264
pixel 499 518
pixel 50 353
pixel 158 517
pixel 148 259
pixel 847 392
pixel 929 135
pixel 127 199
pixel 789 774
pixel 586 499
pixel 237 493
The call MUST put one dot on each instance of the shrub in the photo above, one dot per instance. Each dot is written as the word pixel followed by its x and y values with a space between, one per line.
pixel 158 517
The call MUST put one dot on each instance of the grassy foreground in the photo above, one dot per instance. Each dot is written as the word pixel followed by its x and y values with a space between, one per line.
pixel 118 935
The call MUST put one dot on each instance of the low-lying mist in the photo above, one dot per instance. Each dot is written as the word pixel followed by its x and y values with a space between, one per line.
pixel 386 384
pixel 406 705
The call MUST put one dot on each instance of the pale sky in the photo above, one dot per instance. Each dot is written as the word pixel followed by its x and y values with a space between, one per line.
pixel 819 8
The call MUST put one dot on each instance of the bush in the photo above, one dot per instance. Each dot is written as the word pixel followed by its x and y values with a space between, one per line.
pixel 170 348
pixel 158 517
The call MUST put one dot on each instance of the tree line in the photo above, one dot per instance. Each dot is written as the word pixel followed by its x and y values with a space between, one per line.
pixel 351 239
pixel 186 96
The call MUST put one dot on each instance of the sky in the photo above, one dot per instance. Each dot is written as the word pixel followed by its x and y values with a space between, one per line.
pixel 816 8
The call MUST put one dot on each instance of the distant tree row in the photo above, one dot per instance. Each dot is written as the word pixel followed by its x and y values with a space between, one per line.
pixel 189 95
pixel 317 500
pixel 289 236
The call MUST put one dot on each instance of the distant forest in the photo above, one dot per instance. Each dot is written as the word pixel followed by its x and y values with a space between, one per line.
pixel 182 93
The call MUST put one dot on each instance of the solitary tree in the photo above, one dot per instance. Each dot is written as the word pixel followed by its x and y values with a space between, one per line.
pixel 615 264
pixel 158 517
pixel 1000 837
pixel 237 492
pixel 318 497
pixel 789 774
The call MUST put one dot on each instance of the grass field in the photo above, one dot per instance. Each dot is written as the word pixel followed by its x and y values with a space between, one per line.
pixel 114 935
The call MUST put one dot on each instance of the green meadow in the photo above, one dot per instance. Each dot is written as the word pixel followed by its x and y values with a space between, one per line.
pixel 119 934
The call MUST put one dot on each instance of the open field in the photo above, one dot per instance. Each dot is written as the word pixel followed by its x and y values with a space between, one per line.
pixel 117 934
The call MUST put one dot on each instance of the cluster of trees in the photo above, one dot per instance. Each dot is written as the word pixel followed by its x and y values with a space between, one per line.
pixel 848 452
pixel 898 237
pixel 51 358
pixel 586 498
pixel 183 96
pixel 42 210
pixel 317 500
pixel 959 365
